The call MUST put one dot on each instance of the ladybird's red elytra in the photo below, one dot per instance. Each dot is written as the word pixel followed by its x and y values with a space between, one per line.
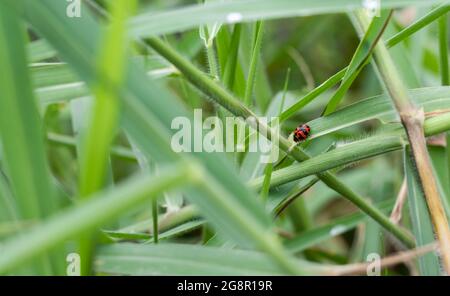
pixel 301 133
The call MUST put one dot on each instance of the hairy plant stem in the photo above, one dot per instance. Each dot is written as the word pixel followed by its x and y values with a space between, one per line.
pixel 227 100
pixel 412 119
pixel 350 153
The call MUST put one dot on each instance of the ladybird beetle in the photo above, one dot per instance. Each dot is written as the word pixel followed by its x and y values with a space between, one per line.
pixel 301 132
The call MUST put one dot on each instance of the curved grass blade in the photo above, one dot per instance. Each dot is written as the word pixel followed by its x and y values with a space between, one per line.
pixel 180 19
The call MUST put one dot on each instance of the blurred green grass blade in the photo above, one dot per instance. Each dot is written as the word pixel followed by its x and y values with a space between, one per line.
pixel 105 112
pixel 171 233
pixel 339 226
pixel 360 58
pixel 229 58
pixel 103 118
pixel 266 182
pixel 147 119
pixel 21 129
pixel 8 207
pixel 256 51
pixel 229 74
pixel 56 82
pixel 68 141
pixel 417 25
pixel 40 50
pixel 182 229
pixel 54 74
pixel 421 223
pixel 180 19
pixel 262 91
pixel 93 213
pixel 379 107
pixel 177 259
pixel 166 222
pixel 60 93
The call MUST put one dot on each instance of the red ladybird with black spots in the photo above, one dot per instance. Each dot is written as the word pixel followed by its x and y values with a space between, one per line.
pixel 301 133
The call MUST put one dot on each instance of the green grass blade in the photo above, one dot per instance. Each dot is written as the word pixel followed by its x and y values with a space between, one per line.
pixel 379 107
pixel 176 259
pixel 229 74
pixel 417 25
pixel 340 156
pixel 421 223
pixel 40 50
pixel 8 207
pixel 360 58
pixel 21 127
pixel 179 19
pixel 94 152
pixel 256 49
pixel 102 123
pixel 339 226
